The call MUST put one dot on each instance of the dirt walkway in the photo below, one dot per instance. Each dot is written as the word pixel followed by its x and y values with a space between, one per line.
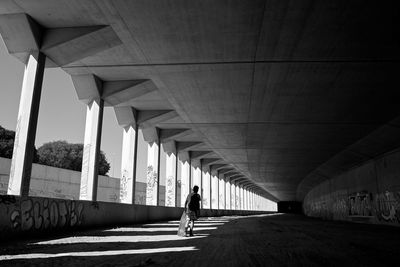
pixel 277 240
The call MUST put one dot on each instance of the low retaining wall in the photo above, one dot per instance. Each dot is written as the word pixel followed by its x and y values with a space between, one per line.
pixel 38 215
pixel 369 193
pixel 55 182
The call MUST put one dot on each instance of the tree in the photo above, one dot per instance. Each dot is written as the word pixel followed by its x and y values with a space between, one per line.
pixel 7 144
pixel 62 154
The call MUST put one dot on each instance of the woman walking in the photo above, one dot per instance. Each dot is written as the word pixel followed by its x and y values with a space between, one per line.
pixel 190 214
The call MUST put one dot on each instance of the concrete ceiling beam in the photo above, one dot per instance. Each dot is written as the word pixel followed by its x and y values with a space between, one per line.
pixel 119 92
pixel 167 135
pixel 169 147
pixel 67 45
pixel 149 118
pixel 126 116
pixel 182 155
pixel 236 177
pixel 199 154
pixel 21 34
pixel 88 87
pixel 218 166
pixel 151 134
pixel 225 170
pixel 186 146
pixel 208 161
pixel 232 172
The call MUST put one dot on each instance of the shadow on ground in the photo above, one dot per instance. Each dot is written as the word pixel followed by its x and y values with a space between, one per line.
pixel 261 240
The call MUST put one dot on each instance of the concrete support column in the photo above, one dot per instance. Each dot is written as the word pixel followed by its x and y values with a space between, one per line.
pixel 233 199
pixel 177 183
pixel 211 192
pixel 226 197
pixel 195 169
pixel 228 194
pixel 153 159
pixel 251 200
pixel 206 197
pixel 168 174
pixel 128 164
pixel 162 190
pixel 218 191
pixel 184 175
pixel 247 198
pixel 221 188
pixel 91 150
pixel 242 200
pixel 237 200
pixel 160 200
pixel 240 197
pixel 201 183
pixel 256 202
pixel 25 133
pixel 141 169
pixel 239 204
pixel 256 199
pixel 244 197
pixel 214 189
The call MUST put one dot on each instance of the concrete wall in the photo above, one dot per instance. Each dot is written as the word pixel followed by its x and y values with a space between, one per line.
pixel 369 193
pixel 37 215
pixel 53 204
pixel 61 183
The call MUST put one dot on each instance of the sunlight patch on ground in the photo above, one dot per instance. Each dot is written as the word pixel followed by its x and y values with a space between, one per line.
pixel 113 239
pixel 202 221
pixel 95 253
pixel 155 229
pixel 177 224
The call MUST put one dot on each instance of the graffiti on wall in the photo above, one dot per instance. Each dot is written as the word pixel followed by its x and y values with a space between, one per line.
pixel 170 191
pixel 151 189
pixel 382 207
pixel 45 213
pixel 123 191
pixel 340 207
pixel 388 206
pixel 360 204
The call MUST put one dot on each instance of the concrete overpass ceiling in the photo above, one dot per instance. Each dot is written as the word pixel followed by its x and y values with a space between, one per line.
pixel 279 90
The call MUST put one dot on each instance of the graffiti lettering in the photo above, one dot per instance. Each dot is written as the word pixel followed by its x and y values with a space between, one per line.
pixel 360 204
pixel 385 207
pixel 340 208
pixel 388 206
pixel 76 214
pixel 26 219
pixel 62 212
pixel 123 192
pixel 36 216
pixel 7 199
pixel 15 219
pixel 53 214
pixel 45 214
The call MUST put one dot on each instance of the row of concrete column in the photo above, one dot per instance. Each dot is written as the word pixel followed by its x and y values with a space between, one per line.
pixel 169 172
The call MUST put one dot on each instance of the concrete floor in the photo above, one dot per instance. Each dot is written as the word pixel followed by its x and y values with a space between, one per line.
pixel 263 240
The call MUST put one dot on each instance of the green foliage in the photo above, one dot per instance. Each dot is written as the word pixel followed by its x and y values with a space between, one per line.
pixel 62 154
pixel 7 144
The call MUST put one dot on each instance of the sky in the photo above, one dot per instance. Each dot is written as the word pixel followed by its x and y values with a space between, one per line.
pixel 61 115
